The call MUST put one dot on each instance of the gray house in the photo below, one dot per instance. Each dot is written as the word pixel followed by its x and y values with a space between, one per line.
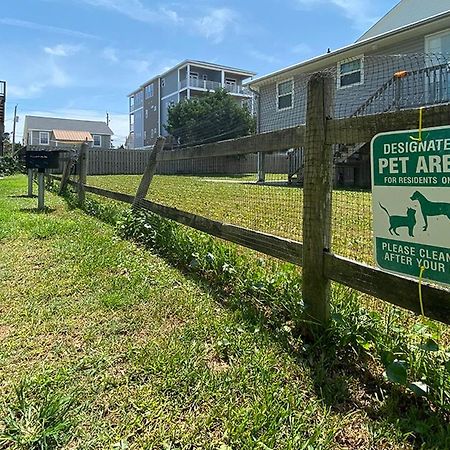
pixel 400 62
pixel 149 104
pixel 56 132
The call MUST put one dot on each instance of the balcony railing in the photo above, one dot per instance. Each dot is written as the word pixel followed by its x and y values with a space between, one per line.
pixel 214 85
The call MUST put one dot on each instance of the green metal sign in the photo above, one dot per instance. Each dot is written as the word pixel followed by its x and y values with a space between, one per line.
pixel 411 202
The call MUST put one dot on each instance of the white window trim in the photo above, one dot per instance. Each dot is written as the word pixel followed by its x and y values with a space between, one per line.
pixel 345 61
pixel 292 94
pixel 194 75
pixel 93 140
pixel 41 133
pixel 233 81
pixel 205 77
pixel 150 87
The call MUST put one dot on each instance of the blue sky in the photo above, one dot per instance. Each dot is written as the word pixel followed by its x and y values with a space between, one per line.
pixel 80 58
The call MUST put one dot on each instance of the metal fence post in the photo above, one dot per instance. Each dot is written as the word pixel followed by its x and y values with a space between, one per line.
pixel 82 168
pixel 317 198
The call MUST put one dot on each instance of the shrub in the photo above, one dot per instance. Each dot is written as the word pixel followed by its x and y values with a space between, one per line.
pixel 8 165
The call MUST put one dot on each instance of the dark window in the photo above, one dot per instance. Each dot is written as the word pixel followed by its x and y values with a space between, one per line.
pixel 285 91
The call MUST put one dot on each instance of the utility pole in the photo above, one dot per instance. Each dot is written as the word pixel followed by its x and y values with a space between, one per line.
pixel 14 131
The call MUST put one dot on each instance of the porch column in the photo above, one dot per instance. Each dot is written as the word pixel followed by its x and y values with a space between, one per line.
pixel 188 79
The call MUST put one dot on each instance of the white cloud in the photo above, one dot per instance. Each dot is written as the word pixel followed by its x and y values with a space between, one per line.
pixel 136 10
pixel 263 56
pixel 51 75
pixel 62 50
pixel 302 49
pixel 110 54
pixel 46 28
pixel 216 24
pixel 360 12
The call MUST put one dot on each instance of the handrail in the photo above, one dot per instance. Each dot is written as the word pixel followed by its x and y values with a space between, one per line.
pixel 391 81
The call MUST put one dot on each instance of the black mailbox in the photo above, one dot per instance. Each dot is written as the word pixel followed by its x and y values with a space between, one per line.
pixel 42 159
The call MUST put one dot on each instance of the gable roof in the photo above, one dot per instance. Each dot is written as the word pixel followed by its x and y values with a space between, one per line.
pixel 390 38
pixel 54 123
pixel 404 13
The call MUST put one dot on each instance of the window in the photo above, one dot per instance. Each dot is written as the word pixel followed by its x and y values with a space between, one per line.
pixel 230 81
pixel 44 138
pixel 350 72
pixel 97 140
pixel 163 82
pixel 149 91
pixel 285 93
pixel 193 75
pixel 205 77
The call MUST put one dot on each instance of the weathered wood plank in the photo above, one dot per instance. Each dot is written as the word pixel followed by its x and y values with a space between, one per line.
pixel 82 168
pixel 149 171
pixel 362 129
pixel 66 174
pixel 317 190
pixel 264 142
pixel 285 249
pixel 395 289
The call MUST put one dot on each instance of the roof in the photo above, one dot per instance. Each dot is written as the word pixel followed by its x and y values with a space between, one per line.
pixel 53 123
pixel 404 13
pixel 248 73
pixel 428 25
pixel 72 136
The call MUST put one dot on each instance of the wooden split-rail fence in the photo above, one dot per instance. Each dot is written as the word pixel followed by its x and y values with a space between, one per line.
pixel 320 266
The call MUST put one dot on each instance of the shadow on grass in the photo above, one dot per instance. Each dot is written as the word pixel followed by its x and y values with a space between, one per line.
pixel 22 196
pixel 46 210
pixel 346 375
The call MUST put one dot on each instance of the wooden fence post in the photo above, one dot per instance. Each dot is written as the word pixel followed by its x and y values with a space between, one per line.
pixel 317 198
pixel 149 171
pixel 82 171
pixel 261 162
pixel 66 174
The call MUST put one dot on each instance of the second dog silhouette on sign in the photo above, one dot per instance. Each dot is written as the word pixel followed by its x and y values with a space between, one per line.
pixel 396 222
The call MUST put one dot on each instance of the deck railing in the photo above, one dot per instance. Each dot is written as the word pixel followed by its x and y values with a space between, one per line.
pixel 409 89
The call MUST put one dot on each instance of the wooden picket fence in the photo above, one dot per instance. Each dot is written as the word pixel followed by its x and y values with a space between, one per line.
pixel 320 265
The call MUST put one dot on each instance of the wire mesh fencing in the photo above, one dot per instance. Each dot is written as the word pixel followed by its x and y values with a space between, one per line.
pixel 263 192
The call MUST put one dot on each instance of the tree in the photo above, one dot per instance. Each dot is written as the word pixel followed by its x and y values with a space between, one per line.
pixel 212 117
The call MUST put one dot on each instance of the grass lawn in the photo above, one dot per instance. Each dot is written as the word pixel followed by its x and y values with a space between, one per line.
pixel 271 209
pixel 104 345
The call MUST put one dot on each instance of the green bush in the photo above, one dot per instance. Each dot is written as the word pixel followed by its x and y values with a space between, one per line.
pixel 8 165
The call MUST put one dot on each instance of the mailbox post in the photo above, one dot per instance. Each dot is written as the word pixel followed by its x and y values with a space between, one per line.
pixel 40 160
pixel 30 182
pixel 41 189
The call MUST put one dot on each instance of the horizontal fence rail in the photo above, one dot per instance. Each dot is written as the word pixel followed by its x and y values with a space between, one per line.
pixel 318 139
pixel 395 289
